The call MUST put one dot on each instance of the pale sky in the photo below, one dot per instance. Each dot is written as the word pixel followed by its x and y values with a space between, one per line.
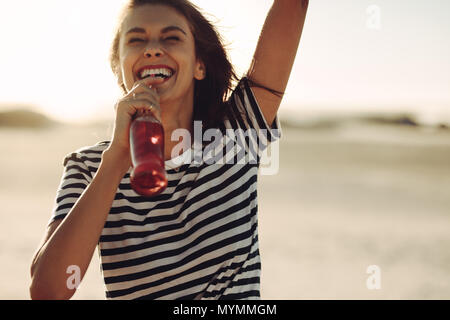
pixel 354 54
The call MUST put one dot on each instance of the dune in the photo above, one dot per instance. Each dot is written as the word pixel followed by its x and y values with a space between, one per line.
pixel 333 121
pixel 25 118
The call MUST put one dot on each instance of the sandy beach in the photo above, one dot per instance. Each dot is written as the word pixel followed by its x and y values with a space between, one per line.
pixel 343 199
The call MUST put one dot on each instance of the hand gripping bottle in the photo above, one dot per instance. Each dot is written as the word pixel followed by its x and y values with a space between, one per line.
pixel 148 176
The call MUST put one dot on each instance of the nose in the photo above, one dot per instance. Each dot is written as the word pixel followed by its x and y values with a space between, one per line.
pixel 153 51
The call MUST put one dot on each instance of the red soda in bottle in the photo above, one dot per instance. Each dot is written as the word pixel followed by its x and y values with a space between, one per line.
pixel 148 176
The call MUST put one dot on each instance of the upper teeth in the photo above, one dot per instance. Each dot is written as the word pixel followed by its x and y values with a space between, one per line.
pixel 164 71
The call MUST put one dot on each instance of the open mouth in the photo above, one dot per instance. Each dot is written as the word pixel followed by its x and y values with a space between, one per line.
pixel 163 73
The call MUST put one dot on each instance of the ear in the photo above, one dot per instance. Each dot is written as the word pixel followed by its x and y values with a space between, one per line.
pixel 200 71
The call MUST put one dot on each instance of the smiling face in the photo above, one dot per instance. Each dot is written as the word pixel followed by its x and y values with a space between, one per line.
pixel 156 43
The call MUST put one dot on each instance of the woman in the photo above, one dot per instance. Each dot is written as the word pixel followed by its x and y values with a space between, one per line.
pixel 198 239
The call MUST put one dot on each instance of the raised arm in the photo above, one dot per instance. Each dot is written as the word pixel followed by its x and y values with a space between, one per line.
pixel 275 53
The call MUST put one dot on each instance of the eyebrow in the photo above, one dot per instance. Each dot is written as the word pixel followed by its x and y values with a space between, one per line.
pixel 165 30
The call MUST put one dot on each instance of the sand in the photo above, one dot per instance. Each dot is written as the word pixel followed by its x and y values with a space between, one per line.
pixel 343 199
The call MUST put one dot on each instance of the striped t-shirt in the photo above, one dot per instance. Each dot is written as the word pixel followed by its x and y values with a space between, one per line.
pixel 199 238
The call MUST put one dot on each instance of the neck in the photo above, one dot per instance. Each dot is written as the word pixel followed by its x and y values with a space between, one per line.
pixel 177 120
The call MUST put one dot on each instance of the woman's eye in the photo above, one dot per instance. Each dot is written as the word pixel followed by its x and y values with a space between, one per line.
pixel 172 38
pixel 133 40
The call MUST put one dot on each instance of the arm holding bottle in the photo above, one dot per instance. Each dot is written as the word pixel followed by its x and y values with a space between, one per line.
pixel 72 241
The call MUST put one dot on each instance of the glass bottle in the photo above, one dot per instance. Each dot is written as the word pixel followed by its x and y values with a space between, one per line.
pixel 148 176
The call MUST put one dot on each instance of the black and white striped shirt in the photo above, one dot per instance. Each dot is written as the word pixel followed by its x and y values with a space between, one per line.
pixel 196 240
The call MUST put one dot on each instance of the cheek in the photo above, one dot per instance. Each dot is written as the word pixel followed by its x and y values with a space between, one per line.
pixel 188 64
pixel 183 54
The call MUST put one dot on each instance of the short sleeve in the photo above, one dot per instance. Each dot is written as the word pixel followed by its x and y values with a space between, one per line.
pixel 247 119
pixel 75 179
pixel 248 114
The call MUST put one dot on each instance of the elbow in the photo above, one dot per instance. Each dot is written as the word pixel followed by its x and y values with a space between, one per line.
pixel 38 293
pixel 46 290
